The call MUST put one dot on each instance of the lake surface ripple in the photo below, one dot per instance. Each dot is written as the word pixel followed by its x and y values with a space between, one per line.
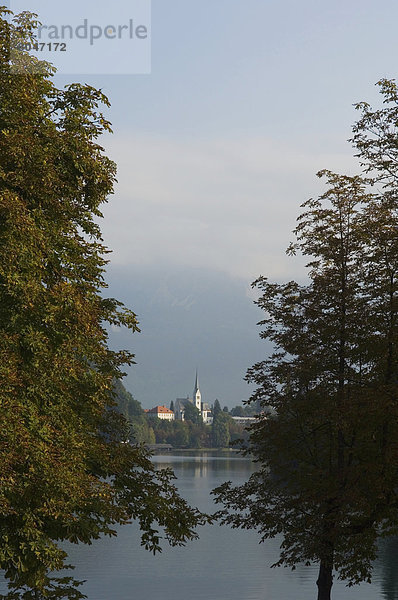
pixel 224 564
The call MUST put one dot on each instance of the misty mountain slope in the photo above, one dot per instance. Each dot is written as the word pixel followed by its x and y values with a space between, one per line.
pixel 189 319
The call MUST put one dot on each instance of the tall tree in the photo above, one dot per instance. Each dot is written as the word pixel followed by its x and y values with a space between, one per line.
pixel 328 479
pixel 216 408
pixel 65 475
pixel 220 430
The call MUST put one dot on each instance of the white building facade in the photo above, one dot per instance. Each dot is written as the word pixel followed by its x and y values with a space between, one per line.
pixel 161 412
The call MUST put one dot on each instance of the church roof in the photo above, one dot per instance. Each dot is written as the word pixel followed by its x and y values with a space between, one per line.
pixel 183 401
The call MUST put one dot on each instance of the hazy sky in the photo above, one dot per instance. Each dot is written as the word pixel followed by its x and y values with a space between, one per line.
pixel 246 101
pixel 216 150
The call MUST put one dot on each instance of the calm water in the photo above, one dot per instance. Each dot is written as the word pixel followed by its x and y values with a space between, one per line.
pixel 224 564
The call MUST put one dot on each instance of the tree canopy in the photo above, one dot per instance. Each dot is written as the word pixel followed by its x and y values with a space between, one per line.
pixel 191 413
pixel 220 430
pixel 216 408
pixel 65 472
pixel 327 452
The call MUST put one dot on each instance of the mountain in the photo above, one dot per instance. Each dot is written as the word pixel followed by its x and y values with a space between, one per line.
pixel 189 319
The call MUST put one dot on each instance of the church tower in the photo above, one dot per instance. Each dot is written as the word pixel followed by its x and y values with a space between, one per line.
pixel 197 397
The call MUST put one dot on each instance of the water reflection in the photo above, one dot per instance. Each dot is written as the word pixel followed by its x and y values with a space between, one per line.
pixel 202 465
pixel 224 564
pixel 386 568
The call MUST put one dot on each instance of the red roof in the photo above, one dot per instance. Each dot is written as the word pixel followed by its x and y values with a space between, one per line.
pixel 161 409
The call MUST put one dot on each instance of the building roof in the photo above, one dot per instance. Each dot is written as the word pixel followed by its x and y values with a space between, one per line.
pixel 160 410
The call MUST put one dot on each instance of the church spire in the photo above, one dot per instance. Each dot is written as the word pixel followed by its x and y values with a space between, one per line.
pixel 197 398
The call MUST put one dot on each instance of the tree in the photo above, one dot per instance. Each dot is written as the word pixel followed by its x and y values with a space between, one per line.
pixel 220 430
pixel 65 473
pixel 139 430
pixel 328 462
pixel 191 413
pixel 238 434
pixel 181 434
pixel 172 405
pixel 142 433
pixel 198 435
pixel 375 135
pixel 216 408
pixel 244 411
pixel 127 405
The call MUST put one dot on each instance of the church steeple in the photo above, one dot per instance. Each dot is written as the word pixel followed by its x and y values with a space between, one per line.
pixel 197 397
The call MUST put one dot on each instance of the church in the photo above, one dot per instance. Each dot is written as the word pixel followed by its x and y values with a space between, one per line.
pixel 196 400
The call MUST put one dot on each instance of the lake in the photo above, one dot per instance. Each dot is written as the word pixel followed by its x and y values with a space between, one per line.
pixel 224 564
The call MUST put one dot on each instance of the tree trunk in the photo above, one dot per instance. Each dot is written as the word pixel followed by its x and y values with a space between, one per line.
pixel 324 581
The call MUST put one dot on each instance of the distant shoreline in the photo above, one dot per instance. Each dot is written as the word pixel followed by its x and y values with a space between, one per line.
pixel 160 450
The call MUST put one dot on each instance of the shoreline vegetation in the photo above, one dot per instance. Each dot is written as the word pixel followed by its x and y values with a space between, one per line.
pixel 193 434
pixel 157 450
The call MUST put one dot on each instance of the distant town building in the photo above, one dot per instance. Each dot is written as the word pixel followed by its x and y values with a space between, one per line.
pixel 204 408
pixel 244 420
pixel 160 412
pixel 207 413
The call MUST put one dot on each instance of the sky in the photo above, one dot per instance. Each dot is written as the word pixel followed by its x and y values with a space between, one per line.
pixel 216 149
